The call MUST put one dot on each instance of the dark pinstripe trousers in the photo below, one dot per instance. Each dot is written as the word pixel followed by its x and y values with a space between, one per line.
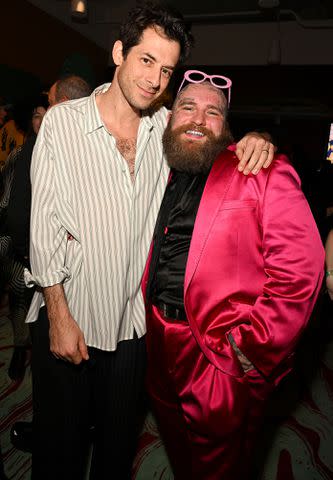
pixel 100 401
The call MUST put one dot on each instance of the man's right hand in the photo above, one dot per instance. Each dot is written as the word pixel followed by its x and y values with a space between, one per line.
pixel 67 340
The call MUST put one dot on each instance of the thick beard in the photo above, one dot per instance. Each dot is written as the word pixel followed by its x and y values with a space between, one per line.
pixel 193 157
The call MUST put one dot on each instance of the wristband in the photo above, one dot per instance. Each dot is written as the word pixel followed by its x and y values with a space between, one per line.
pixel 329 273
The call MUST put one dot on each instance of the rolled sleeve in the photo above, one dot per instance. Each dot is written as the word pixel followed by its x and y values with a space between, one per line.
pixel 48 237
pixel 46 280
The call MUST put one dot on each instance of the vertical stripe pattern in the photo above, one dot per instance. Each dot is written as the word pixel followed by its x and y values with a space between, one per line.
pixel 81 186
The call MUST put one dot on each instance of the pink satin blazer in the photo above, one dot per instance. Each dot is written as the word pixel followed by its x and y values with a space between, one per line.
pixel 255 266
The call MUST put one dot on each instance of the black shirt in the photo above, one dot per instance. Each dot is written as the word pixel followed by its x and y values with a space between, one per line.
pixel 172 238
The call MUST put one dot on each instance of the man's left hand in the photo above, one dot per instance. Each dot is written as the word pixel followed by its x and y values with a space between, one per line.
pixel 255 151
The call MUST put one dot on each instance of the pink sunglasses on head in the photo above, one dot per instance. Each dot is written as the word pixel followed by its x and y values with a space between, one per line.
pixel 218 81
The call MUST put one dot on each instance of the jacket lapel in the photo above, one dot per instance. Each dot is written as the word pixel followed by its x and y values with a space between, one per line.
pixel 217 185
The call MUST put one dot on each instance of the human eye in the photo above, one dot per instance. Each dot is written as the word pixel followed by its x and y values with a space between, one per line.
pixel 214 113
pixel 146 60
pixel 187 108
pixel 166 72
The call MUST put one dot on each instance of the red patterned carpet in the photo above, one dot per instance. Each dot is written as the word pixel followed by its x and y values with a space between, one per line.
pixel 297 438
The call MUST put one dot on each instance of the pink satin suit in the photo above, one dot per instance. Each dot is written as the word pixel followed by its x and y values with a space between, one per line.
pixel 254 269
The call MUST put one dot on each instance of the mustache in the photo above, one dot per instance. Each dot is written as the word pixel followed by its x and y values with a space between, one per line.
pixel 182 157
pixel 190 126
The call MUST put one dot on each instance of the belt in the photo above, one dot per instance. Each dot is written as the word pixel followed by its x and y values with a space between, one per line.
pixel 171 311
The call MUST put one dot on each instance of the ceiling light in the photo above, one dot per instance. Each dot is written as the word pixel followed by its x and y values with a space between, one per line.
pixel 79 8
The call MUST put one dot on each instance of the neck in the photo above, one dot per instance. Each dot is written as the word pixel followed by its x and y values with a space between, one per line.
pixel 115 111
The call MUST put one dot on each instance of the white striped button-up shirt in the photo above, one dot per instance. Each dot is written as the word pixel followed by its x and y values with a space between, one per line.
pixel 91 226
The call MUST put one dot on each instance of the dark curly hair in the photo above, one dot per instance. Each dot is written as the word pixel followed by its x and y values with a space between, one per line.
pixel 150 14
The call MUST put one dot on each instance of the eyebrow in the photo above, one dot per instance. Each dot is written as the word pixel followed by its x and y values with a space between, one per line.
pixel 191 101
pixel 169 67
pixel 186 101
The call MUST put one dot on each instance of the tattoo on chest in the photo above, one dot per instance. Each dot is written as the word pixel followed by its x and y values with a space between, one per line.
pixel 127 147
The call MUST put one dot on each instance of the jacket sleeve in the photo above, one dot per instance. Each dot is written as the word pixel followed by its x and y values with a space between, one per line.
pixel 48 238
pixel 294 265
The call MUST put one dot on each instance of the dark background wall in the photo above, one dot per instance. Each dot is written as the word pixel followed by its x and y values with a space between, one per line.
pixel 291 100
pixel 36 48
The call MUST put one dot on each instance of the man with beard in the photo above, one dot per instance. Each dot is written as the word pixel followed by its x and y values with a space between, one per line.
pixel 228 290
pixel 98 175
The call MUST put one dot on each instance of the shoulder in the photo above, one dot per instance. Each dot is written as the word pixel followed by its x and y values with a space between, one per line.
pixel 81 113
pixel 279 176
pixel 281 169
pixel 69 108
pixel 64 119
pixel 160 118
pixel 77 107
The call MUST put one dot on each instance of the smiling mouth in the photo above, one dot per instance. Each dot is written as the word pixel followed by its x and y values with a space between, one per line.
pixel 147 93
pixel 194 133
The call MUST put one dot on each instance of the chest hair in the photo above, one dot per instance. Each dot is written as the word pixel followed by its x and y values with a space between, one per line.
pixel 127 147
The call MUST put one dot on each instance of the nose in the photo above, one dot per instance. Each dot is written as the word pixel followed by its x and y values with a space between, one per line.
pixel 154 78
pixel 199 117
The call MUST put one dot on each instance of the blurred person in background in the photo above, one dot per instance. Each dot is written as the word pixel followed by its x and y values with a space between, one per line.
pixel 11 265
pixel 12 134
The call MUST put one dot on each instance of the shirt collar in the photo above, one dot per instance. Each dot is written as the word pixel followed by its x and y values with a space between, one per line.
pixel 147 121
pixel 93 120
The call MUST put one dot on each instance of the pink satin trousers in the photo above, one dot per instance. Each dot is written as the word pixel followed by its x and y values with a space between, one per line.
pixel 208 419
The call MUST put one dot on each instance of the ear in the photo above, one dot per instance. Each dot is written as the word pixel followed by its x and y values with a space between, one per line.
pixel 117 52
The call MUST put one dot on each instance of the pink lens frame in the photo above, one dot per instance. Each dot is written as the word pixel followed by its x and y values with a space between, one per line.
pixel 187 78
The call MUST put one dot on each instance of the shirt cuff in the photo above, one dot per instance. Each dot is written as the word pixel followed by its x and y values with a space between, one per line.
pixel 48 280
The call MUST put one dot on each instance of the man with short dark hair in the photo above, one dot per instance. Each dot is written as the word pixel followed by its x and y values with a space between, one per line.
pixel 235 269
pixel 98 176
